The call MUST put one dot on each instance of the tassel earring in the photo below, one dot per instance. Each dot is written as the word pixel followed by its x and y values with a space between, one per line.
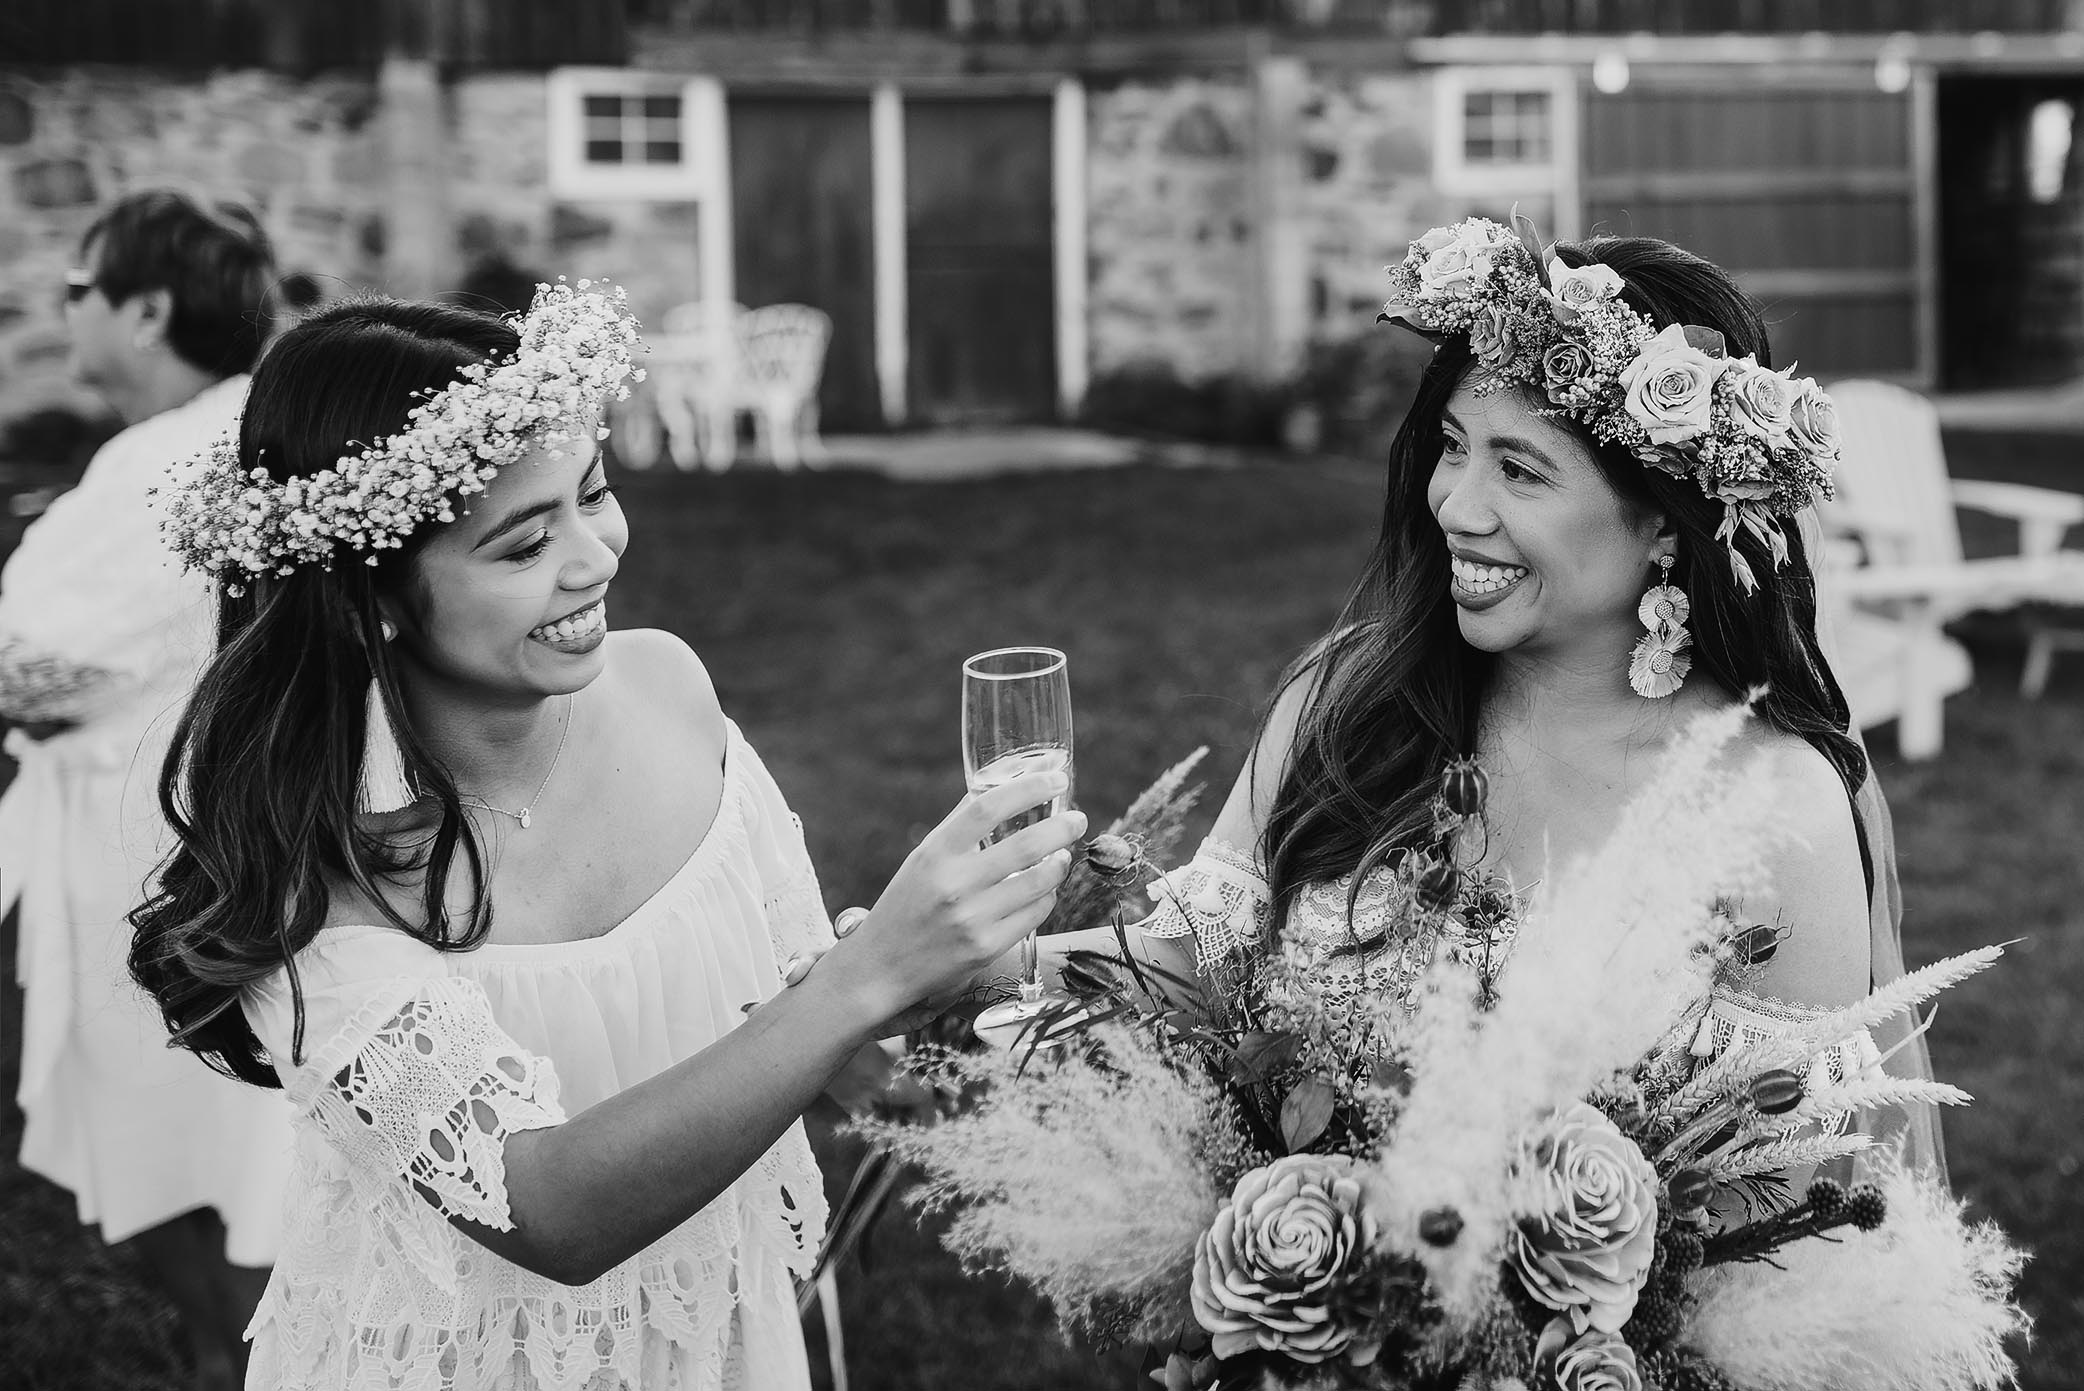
pixel 383 784
pixel 1659 664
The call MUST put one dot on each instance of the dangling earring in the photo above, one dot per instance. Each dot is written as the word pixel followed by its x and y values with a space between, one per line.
pixel 1660 661
pixel 383 785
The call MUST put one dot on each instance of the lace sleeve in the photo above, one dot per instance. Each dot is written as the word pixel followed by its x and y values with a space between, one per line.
pixel 1736 1018
pixel 797 922
pixel 426 1094
pixel 1219 898
pixel 40 685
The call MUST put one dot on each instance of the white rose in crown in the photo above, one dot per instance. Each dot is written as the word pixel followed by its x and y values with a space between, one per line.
pixel 1760 400
pixel 1572 292
pixel 1460 265
pixel 1588 1229
pixel 1813 420
pixel 1670 387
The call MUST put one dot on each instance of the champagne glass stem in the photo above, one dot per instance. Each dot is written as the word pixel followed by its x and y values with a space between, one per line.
pixel 1030 969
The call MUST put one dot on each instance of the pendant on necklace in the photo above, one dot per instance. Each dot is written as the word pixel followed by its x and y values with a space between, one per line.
pixel 524 817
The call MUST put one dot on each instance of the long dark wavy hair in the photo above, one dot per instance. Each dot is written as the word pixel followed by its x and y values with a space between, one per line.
pixel 1394 693
pixel 261 781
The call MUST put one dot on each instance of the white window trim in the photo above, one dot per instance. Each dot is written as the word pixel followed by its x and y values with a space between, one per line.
pixel 1556 175
pixel 571 175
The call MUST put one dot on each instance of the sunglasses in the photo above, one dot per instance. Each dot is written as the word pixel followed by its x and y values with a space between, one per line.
pixel 78 283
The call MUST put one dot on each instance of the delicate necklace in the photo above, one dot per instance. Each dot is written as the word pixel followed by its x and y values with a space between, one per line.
pixel 522 815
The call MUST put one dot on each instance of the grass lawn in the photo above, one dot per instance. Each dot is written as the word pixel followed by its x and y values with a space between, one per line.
pixel 833 612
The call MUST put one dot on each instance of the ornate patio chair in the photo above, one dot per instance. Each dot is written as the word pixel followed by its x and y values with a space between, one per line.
pixel 1897 569
pixel 782 357
pixel 695 371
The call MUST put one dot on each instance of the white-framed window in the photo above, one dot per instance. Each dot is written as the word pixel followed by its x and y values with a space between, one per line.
pixel 619 133
pixel 1505 130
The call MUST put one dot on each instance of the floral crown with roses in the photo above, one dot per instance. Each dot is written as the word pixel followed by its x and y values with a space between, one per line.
pixel 1760 442
pixel 577 342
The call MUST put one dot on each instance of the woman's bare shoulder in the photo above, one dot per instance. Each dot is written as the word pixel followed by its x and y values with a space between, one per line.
pixel 1814 885
pixel 654 676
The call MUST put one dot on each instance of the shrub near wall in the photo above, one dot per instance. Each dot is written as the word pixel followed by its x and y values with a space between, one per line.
pixel 1150 398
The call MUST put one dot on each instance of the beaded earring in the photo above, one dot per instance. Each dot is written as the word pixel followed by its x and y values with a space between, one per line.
pixel 1659 664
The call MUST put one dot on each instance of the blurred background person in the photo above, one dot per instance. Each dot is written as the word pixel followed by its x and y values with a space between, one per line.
pixel 101 636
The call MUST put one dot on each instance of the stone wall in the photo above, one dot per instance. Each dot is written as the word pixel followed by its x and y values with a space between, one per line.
pixel 1178 269
pixel 1170 240
pixel 303 155
pixel 1367 190
pixel 309 158
pixel 1179 259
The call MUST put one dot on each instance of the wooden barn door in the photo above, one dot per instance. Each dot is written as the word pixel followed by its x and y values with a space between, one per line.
pixel 981 303
pixel 2011 230
pixel 1806 185
pixel 801 205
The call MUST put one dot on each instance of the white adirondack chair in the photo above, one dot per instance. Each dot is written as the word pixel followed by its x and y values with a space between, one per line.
pixel 1896 572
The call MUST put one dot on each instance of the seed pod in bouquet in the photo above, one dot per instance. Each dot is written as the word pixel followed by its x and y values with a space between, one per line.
pixel 1112 857
pixel 1775 1093
pixel 1865 1207
pixel 1690 1190
pixel 1436 885
pixel 1826 1198
pixel 1440 1226
pixel 1465 787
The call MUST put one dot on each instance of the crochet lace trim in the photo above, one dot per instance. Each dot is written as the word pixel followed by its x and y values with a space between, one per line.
pixel 375 1289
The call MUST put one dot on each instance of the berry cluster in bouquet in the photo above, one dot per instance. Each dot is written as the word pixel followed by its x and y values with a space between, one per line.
pixel 1520 1176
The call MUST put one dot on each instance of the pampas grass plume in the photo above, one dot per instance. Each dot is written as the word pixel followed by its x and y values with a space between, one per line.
pixel 1924 1303
pixel 1086 1181
pixel 1601 972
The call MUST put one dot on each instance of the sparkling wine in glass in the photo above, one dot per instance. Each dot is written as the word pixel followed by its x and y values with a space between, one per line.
pixel 1016 718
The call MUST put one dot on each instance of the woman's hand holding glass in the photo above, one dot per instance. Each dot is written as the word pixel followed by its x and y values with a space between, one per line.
pixel 959 903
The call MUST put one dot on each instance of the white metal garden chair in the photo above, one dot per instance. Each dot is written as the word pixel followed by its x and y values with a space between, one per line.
pixel 695 370
pixel 782 358
pixel 1897 569
pixel 715 363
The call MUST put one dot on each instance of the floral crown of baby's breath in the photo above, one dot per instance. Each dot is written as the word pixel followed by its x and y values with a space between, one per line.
pixel 577 341
pixel 1760 442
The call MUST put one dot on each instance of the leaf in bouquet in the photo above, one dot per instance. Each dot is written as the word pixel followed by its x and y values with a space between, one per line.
pixel 1259 1055
pixel 852 1221
pixel 1306 1112
pixel 1091 972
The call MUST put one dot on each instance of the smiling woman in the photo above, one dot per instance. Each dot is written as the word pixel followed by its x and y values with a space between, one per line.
pixel 501 899
pixel 1590 538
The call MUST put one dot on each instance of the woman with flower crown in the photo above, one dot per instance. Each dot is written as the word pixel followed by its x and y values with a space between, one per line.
pixel 501 899
pixel 1593 534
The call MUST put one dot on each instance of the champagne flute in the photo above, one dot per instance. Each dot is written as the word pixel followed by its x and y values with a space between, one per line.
pixel 1016 718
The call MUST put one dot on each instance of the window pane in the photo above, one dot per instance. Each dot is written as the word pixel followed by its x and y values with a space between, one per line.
pixel 662 152
pixel 603 106
pixel 662 108
pixel 604 152
pixel 603 128
pixel 1505 127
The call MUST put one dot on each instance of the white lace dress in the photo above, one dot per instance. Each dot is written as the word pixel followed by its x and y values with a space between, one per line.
pixel 100 629
pixel 419 1063
pixel 1221 899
